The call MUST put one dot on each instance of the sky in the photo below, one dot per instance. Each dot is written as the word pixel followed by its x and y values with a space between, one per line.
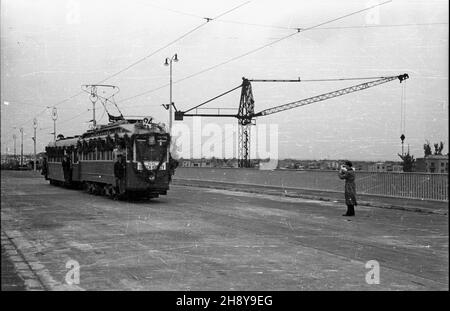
pixel 49 48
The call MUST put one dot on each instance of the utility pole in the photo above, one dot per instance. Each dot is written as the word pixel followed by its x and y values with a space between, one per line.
pixel 21 147
pixel 94 122
pixel 14 137
pixel 6 153
pixel 169 63
pixel 93 98
pixel 54 117
pixel 34 141
pixel 170 100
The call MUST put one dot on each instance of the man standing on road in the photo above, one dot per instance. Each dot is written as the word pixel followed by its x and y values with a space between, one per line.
pixel 44 167
pixel 173 164
pixel 119 174
pixel 67 169
pixel 347 172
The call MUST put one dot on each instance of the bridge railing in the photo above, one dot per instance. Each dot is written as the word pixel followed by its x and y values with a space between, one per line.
pixel 424 186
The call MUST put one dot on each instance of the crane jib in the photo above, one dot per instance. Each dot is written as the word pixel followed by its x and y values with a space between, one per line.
pixel 329 95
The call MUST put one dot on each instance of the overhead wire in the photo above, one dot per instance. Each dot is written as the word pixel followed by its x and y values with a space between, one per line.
pixel 29 120
pixel 50 127
pixel 66 120
pixel 231 22
pixel 221 21
pixel 103 114
pixel 384 26
pixel 144 58
pixel 171 42
pixel 252 24
pixel 316 27
pixel 300 30
pixel 295 28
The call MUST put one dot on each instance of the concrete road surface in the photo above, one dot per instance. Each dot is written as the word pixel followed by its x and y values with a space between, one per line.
pixel 206 239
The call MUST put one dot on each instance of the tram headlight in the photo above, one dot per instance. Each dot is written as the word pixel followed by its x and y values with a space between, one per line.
pixel 151 177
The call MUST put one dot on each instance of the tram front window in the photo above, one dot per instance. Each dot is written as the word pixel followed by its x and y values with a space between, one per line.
pixel 149 153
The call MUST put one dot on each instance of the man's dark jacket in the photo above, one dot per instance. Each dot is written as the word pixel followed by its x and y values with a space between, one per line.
pixel 119 170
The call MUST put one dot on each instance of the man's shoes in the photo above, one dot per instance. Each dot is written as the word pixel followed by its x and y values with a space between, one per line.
pixel 348 214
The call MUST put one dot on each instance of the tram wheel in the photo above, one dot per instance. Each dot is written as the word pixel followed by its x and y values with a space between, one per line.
pixel 95 189
pixel 89 187
pixel 107 190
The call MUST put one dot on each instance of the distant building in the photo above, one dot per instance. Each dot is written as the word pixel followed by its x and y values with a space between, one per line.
pixel 378 167
pixel 329 165
pixel 313 165
pixel 433 164
pixel 385 167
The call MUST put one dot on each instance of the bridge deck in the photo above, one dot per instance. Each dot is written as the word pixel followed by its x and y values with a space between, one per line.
pixel 198 238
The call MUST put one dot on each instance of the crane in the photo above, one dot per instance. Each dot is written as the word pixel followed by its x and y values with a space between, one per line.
pixel 246 112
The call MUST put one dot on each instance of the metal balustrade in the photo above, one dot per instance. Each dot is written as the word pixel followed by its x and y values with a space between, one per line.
pixel 423 186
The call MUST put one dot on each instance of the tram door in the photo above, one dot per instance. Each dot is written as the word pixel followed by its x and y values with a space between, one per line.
pixel 120 183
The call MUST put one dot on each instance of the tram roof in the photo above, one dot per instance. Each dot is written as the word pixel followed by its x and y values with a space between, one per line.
pixel 64 142
pixel 122 127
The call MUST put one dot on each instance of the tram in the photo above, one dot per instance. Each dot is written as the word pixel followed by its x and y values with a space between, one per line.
pixel 144 145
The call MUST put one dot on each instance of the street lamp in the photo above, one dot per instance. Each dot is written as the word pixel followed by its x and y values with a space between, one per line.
pixel 35 124
pixel 14 137
pixel 54 117
pixel 21 147
pixel 168 62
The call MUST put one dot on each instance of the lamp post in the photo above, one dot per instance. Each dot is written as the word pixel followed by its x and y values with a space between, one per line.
pixel 54 117
pixel 168 62
pixel 21 147
pixel 14 137
pixel 402 139
pixel 35 124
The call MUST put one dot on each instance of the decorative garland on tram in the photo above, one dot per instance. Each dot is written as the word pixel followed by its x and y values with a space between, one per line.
pixel 109 144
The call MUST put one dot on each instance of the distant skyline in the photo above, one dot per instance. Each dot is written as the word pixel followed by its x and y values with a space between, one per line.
pixel 49 48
